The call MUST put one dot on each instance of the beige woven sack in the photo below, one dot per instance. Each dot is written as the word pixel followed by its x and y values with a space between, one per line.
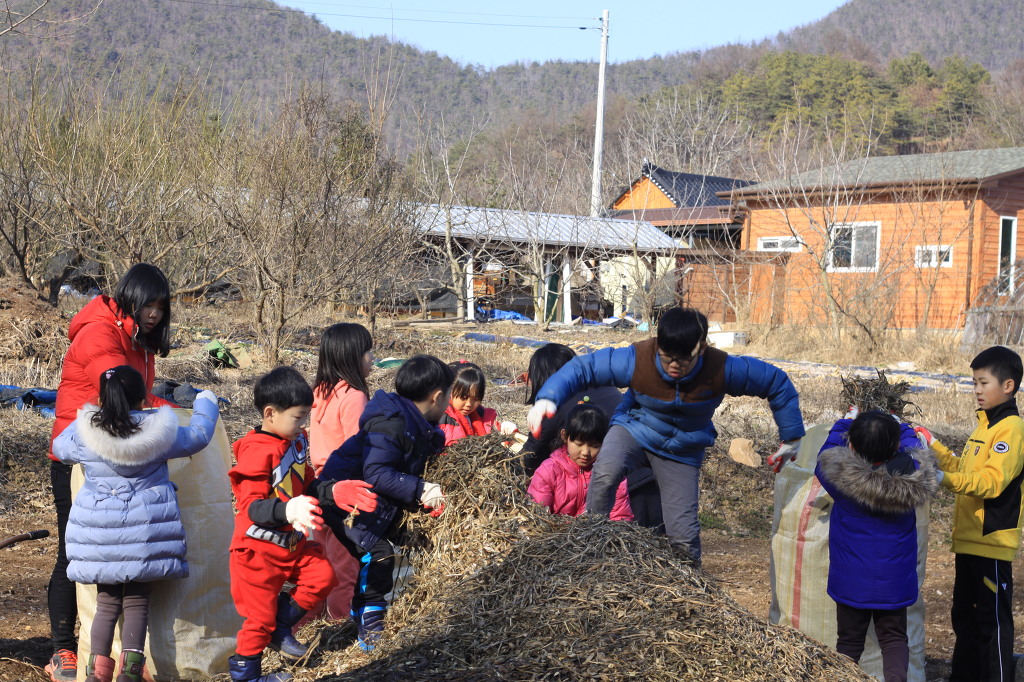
pixel 192 622
pixel 799 561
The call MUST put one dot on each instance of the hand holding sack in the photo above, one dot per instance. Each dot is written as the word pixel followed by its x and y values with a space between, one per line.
pixel 304 514
pixel 540 411
pixel 432 498
pixel 787 452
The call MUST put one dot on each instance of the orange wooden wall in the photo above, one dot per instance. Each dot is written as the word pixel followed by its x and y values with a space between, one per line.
pixel 898 294
pixel 642 195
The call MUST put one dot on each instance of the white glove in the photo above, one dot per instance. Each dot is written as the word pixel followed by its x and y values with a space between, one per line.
pixel 207 395
pixel 787 452
pixel 852 412
pixel 508 428
pixel 432 497
pixel 304 514
pixel 540 410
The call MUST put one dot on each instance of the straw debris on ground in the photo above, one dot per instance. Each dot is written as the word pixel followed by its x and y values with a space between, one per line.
pixel 505 590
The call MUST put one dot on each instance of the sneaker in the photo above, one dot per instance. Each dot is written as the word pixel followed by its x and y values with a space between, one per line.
pixel 63 666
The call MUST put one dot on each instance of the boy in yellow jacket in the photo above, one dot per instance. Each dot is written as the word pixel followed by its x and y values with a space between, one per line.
pixel 986 478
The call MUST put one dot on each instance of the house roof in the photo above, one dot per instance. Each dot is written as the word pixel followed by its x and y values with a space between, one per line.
pixel 681 217
pixel 976 166
pixel 689 190
pixel 547 229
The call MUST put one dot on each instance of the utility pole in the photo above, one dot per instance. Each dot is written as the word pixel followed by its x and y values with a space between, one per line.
pixel 595 183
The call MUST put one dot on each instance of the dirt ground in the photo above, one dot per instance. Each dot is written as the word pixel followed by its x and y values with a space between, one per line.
pixel 736 506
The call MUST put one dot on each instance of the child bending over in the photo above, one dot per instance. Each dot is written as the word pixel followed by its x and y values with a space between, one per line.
pixel 561 481
pixel 125 527
pixel 397 435
pixel 868 466
pixel 278 506
pixel 466 415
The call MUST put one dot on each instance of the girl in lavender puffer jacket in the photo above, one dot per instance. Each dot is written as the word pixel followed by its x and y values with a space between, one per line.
pixel 125 527
pixel 561 481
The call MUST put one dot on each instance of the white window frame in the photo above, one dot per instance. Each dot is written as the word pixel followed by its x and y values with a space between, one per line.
pixel 794 243
pixel 928 256
pixel 1010 283
pixel 878 246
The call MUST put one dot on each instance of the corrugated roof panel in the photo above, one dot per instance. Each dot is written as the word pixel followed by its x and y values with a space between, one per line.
pixel 970 166
pixel 551 229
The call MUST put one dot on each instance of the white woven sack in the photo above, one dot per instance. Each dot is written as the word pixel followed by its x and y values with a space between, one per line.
pixel 192 622
pixel 799 561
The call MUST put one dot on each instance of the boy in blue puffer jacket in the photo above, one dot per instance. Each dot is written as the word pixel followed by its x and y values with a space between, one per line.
pixel 867 466
pixel 676 382
pixel 398 433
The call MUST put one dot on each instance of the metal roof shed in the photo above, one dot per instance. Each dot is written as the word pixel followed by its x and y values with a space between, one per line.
pixel 548 236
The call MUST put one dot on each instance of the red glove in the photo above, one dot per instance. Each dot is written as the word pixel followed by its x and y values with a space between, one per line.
pixel 352 495
pixel 924 435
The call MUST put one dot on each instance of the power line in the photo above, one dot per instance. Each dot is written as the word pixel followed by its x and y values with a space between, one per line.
pixel 363 16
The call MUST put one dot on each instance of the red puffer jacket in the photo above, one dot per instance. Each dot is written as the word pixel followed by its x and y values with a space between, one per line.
pixel 101 338
pixel 457 426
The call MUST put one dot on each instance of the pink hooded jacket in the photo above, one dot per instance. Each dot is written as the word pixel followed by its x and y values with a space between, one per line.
pixel 561 485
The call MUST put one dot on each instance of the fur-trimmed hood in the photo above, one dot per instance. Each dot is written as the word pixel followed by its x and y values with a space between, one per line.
pixel 877 488
pixel 156 435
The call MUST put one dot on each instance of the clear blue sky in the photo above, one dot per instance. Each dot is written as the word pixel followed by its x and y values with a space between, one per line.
pixel 638 29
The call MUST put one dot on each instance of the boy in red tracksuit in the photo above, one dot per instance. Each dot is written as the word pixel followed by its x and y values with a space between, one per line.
pixel 278 506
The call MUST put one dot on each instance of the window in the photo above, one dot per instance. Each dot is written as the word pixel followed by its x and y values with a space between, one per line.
pixel 854 247
pixel 1007 255
pixel 940 256
pixel 778 244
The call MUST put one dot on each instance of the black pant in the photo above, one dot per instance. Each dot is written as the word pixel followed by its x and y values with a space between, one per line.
pixel 982 620
pixel 131 599
pixel 890 630
pixel 61 600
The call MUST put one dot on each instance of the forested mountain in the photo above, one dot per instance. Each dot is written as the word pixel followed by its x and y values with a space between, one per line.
pixel 984 31
pixel 261 53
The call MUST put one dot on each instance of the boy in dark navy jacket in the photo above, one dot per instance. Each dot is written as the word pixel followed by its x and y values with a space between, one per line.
pixel 867 466
pixel 676 382
pixel 398 433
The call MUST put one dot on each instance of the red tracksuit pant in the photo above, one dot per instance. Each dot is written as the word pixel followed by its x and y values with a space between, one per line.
pixel 257 577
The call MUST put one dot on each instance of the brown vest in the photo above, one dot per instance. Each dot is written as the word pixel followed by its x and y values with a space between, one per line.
pixel 709 382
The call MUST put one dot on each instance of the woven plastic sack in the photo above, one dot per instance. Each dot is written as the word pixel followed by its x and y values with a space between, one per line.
pixel 799 561
pixel 193 621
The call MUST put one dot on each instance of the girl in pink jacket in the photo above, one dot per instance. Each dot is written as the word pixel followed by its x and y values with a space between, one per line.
pixel 340 394
pixel 561 481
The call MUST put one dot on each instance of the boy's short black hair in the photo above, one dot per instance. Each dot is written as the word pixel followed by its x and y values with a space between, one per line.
pixel 282 388
pixel 421 375
pixel 586 424
pixel 680 330
pixel 1002 363
pixel 875 436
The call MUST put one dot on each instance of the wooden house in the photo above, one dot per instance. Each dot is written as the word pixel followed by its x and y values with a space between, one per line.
pixel 888 242
pixel 695 211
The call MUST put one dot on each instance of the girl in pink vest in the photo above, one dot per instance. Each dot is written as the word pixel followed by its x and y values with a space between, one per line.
pixel 561 481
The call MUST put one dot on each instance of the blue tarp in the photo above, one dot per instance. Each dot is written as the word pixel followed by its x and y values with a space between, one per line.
pixel 42 400
pixel 495 314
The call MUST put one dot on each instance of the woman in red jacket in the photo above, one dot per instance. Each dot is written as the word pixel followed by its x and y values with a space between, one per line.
pixel 129 329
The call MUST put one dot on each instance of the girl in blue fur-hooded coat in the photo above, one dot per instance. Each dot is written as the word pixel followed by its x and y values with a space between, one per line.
pixel 877 476
pixel 125 527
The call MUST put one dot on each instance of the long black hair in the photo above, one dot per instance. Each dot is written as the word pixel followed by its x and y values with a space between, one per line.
pixel 142 284
pixel 122 389
pixel 544 362
pixel 342 347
